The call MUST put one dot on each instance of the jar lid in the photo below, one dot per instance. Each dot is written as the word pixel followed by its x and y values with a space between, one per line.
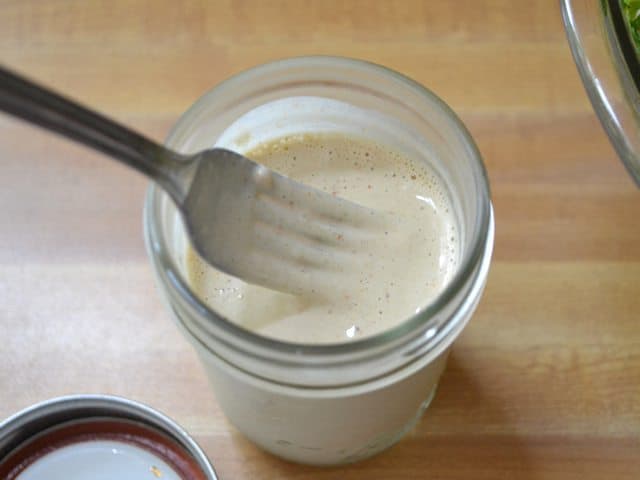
pixel 98 437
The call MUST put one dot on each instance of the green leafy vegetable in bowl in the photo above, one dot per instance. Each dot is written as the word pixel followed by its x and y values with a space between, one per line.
pixel 631 10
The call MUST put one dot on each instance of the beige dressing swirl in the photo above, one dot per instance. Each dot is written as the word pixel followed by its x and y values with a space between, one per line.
pixel 399 272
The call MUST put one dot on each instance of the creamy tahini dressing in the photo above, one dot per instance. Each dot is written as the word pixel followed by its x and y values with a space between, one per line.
pixel 397 273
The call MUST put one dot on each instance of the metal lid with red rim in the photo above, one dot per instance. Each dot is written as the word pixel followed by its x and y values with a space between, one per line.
pixel 98 437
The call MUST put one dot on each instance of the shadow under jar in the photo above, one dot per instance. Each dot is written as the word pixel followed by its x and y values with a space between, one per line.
pixel 337 403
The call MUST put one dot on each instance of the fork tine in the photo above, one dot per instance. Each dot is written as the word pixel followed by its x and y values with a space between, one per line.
pixel 286 216
pixel 287 275
pixel 319 204
pixel 288 245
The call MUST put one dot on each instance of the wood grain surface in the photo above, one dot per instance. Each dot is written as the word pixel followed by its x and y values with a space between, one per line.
pixel 545 381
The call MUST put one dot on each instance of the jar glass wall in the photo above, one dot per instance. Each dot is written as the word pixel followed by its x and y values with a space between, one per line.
pixel 336 403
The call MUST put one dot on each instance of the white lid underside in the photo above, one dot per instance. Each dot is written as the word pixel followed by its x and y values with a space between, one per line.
pixel 99 460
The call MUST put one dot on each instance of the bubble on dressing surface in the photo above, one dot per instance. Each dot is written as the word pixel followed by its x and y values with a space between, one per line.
pixel 388 289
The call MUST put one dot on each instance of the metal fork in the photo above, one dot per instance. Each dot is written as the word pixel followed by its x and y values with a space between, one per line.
pixel 242 218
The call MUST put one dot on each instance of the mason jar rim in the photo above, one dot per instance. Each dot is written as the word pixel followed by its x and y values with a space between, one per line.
pixel 170 274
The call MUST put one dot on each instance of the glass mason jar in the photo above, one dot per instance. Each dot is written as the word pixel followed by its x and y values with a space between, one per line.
pixel 334 403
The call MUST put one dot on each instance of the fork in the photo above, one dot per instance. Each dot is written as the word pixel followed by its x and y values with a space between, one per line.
pixel 242 218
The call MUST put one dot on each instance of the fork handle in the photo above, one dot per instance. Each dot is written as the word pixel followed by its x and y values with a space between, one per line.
pixel 41 106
